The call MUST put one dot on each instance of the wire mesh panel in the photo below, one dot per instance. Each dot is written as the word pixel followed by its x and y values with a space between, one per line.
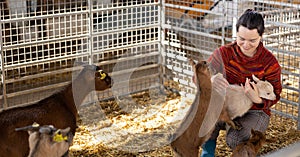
pixel 197 28
pixel 126 38
pixel 282 38
pixel 42 42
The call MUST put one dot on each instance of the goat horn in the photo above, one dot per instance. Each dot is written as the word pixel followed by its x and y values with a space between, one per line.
pixel 103 75
pixel 29 127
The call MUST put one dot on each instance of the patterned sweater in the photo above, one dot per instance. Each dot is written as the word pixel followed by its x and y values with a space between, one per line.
pixel 236 67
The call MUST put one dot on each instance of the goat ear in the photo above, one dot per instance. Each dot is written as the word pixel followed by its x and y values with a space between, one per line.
pixel 252 132
pixel 191 61
pixel 65 131
pixel 255 78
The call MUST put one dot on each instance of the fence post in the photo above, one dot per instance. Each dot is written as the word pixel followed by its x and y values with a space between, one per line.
pixel 3 83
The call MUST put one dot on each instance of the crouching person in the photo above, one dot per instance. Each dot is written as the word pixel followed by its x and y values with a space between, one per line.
pixel 238 61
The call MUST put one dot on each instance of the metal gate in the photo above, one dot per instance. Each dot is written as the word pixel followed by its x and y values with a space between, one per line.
pixel 197 28
pixel 147 41
pixel 42 43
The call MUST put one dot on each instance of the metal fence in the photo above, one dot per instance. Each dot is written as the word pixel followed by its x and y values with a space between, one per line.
pixel 148 40
pixel 42 42
pixel 199 27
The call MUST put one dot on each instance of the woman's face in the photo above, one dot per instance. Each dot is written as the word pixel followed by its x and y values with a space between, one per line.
pixel 248 40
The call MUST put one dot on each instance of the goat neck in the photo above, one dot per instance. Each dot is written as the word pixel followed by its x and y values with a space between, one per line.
pixel 75 93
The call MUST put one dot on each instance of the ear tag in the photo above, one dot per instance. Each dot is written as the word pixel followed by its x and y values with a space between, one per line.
pixel 58 137
pixel 35 124
pixel 103 75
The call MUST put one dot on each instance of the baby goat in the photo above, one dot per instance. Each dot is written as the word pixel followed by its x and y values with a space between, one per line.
pixel 251 147
pixel 237 103
pixel 47 141
pixel 58 109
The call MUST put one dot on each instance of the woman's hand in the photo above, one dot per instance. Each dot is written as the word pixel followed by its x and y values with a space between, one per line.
pixel 219 83
pixel 252 93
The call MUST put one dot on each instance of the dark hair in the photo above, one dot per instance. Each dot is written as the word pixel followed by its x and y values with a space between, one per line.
pixel 252 20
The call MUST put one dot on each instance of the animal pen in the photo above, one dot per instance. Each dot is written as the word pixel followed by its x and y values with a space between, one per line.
pixel 143 44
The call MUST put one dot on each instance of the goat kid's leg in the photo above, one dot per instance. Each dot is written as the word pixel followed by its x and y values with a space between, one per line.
pixel 226 118
pixel 233 125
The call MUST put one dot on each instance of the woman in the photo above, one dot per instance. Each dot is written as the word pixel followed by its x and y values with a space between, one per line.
pixel 238 61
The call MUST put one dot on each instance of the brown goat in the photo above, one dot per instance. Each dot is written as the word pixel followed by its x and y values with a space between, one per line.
pixel 58 109
pixel 251 147
pixel 188 142
pixel 47 141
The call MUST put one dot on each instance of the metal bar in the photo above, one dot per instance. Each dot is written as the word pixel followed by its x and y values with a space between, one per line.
pixel 161 37
pixel 90 36
pixel 298 120
pixel 167 26
pixel 178 45
pixel 3 79
pixel 289 102
pixel 283 51
pixel 124 7
pixel 282 4
pixel 53 40
pixel 72 56
pixel 223 25
pixel 33 90
pixel 282 24
pixel 270 36
pixel 283 114
pixel 192 9
pixel 126 29
pixel 28 18
pixel 112 61
pixel 127 46
pixel 38 75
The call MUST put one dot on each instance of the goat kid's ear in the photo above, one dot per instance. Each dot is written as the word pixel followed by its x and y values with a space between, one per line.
pixel 191 61
pixel 255 78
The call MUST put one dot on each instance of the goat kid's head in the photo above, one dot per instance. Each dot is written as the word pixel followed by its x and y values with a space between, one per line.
pixel 94 74
pixel 201 72
pixel 47 139
pixel 265 89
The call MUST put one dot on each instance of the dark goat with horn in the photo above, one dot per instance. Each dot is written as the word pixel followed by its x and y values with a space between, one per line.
pixel 47 141
pixel 58 110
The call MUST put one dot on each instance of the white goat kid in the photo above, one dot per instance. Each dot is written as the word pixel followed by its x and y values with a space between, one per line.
pixel 237 102
pixel 47 141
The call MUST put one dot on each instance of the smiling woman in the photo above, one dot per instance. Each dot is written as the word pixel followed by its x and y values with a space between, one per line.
pixel 248 40
pixel 249 34
pixel 237 61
